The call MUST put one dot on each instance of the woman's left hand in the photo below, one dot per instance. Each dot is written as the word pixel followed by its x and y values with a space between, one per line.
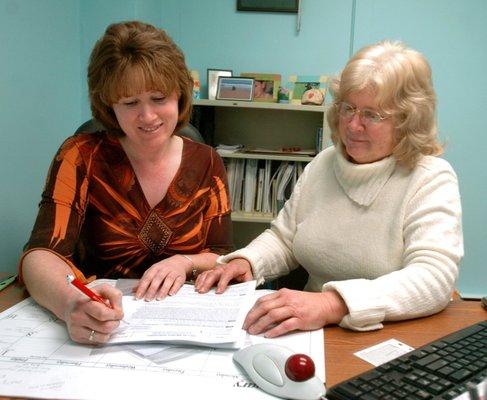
pixel 163 278
pixel 289 310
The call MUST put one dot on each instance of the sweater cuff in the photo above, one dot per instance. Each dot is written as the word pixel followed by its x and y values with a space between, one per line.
pixel 252 257
pixel 366 311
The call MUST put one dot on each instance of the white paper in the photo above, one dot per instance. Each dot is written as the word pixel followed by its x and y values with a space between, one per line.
pixel 188 316
pixel 383 352
pixel 38 360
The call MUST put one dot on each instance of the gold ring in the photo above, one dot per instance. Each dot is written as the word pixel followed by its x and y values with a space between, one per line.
pixel 92 336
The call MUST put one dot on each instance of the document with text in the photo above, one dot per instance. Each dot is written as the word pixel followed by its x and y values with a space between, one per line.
pixel 207 319
pixel 39 360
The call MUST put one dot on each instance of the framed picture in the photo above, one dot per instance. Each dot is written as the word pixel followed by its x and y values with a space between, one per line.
pixel 289 6
pixel 233 88
pixel 266 86
pixel 196 84
pixel 212 75
pixel 298 84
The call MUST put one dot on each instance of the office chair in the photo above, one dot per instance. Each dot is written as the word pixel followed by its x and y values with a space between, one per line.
pixel 188 131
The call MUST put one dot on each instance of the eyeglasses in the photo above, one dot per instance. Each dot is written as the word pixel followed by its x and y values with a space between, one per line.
pixel 366 116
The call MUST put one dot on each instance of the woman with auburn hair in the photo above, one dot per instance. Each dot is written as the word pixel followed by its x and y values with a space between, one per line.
pixel 134 200
pixel 375 219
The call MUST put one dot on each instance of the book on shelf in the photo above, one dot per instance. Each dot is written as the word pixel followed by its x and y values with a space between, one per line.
pixel 239 190
pixel 260 190
pixel 250 185
pixel 319 139
pixel 230 167
pixel 266 195
pixel 285 185
pixel 261 186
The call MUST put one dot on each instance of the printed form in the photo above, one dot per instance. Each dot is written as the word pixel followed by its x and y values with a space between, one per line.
pixel 209 319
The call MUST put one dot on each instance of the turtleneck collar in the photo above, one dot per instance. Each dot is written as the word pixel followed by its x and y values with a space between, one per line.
pixel 362 182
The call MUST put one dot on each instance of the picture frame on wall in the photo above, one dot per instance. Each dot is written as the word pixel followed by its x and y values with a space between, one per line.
pixel 266 86
pixel 287 6
pixel 235 88
pixel 212 78
pixel 298 84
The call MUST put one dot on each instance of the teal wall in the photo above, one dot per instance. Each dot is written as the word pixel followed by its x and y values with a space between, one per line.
pixel 46 44
pixel 39 103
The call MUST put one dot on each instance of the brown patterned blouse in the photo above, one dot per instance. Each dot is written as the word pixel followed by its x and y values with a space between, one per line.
pixel 94 215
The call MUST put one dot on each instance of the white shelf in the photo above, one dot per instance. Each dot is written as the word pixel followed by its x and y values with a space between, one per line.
pixel 262 125
pixel 265 156
pixel 241 216
pixel 259 105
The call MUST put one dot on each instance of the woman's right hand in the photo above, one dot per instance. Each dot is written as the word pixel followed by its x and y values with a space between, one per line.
pixel 91 322
pixel 238 270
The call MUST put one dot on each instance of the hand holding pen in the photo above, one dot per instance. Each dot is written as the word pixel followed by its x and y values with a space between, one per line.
pixel 87 291
pixel 87 323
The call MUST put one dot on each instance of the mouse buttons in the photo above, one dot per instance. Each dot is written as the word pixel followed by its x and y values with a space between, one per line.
pixel 268 369
pixel 299 367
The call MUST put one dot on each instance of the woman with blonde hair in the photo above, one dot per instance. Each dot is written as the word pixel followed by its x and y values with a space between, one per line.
pixel 375 219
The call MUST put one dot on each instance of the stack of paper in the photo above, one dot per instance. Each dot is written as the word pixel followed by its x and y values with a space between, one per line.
pixel 224 149
pixel 209 319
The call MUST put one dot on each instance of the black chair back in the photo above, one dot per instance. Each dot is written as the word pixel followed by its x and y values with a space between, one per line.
pixel 188 131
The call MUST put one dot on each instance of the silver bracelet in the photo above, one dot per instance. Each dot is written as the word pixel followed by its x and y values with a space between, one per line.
pixel 194 271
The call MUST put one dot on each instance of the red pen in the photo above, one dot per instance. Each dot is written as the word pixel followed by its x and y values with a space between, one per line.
pixel 85 290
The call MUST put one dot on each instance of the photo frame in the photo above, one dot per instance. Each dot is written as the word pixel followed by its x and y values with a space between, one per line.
pixel 234 88
pixel 195 75
pixel 288 6
pixel 298 84
pixel 212 80
pixel 266 86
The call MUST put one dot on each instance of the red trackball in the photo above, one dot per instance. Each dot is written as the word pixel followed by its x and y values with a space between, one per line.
pixel 299 367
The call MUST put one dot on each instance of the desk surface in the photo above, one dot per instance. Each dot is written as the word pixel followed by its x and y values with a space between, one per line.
pixel 340 362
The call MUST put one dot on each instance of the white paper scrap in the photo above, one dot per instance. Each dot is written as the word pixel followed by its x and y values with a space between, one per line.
pixel 383 352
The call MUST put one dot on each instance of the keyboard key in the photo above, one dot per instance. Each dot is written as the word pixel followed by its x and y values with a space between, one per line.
pixel 421 394
pixel 349 390
pixel 435 388
pixel 461 375
pixel 445 371
pixel 427 360
pixel 437 365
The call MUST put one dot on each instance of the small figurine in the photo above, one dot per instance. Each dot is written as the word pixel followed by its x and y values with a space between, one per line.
pixel 312 96
pixel 283 95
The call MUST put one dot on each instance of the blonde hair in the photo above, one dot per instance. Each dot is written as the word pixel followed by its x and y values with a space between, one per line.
pixel 133 57
pixel 400 78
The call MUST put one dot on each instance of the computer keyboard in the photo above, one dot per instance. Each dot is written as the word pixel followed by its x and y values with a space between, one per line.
pixel 439 370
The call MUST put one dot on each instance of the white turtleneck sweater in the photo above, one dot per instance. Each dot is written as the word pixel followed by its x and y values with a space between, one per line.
pixel 387 239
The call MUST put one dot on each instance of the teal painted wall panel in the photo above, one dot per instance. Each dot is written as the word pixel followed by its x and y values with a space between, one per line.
pixel 39 100
pixel 453 36
pixel 214 35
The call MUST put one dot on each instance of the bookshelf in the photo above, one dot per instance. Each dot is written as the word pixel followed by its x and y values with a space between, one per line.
pixel 263 126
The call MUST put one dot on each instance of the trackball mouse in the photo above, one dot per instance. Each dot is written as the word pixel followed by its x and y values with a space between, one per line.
pixel 280 371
